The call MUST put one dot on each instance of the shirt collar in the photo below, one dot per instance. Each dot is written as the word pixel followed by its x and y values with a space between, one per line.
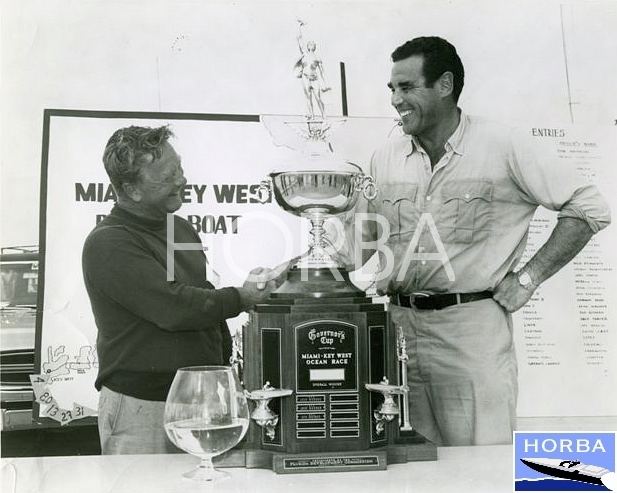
pixel 123 214
pixel 454 143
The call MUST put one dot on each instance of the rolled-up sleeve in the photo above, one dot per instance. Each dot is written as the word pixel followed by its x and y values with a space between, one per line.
pixel 545 180
pixel 588 205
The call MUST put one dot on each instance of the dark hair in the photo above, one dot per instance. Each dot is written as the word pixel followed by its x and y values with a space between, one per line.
pixel 439 56
pixel 129 149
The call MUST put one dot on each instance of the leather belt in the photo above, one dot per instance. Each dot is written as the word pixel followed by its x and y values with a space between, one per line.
pixel 437 301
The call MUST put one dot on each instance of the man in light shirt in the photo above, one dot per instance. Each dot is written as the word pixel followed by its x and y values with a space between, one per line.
pixel 458 193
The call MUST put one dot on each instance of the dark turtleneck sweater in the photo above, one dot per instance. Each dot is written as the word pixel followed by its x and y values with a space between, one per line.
pixel 149 327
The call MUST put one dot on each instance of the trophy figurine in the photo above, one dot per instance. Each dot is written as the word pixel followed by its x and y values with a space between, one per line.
pixel 309 69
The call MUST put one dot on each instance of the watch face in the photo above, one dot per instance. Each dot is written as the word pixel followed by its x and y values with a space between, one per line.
pixel 524 279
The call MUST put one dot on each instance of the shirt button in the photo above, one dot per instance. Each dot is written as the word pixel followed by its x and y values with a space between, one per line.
pixel 423 262
pixel 428 197
pixel 466 195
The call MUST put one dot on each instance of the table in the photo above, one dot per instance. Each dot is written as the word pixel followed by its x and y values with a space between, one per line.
pixel 459 469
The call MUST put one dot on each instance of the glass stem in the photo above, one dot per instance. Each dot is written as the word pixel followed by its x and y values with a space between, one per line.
pixel 206 467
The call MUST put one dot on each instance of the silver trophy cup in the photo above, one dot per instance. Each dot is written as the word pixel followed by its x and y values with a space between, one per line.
pixel 319 195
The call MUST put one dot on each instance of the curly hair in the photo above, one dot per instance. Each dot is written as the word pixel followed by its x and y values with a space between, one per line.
pixel 129 149
pixel 439 56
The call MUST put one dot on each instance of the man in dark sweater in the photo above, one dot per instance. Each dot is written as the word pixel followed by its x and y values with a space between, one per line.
pixel 148 326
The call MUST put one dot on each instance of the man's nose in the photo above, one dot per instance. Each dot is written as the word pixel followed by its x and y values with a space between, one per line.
pixel 181 180
pixel 395 98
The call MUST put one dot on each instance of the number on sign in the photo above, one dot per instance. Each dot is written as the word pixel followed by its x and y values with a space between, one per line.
pixel 46 398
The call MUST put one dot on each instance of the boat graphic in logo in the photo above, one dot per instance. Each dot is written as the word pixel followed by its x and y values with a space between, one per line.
pixel 564 461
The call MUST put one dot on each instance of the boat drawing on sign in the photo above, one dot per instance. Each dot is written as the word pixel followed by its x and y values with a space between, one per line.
pixel 567 469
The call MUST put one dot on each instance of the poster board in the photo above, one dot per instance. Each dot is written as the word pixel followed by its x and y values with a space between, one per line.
pixel 565 335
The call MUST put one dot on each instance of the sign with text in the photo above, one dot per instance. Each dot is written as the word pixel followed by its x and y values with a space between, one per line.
pixel 564 461
pixel 326 355
pixel 565 335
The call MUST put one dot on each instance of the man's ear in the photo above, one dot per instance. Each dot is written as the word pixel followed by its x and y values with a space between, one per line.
pixel 132 192
pixel 445 84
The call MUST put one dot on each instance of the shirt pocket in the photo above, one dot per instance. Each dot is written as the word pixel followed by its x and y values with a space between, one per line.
pixel 398 206
pixel 467 210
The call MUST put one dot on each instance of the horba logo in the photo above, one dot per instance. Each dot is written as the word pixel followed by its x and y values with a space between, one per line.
pixel 326 336
pixel 564 461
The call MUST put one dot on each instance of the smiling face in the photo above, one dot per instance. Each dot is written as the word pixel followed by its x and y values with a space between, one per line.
pixel 419 106
pixel 159 185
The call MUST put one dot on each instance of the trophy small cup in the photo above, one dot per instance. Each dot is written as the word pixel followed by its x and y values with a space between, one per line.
pixel 262 414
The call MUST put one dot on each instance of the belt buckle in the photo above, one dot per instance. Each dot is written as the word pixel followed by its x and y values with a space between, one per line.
pixel 418 294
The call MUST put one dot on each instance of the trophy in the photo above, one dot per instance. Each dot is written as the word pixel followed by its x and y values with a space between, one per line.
pixel 316 185
pixel 322 364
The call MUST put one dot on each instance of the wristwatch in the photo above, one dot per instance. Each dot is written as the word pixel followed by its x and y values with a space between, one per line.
pixel 524 279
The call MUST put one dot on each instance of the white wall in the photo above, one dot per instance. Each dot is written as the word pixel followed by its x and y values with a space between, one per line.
pixel 236 57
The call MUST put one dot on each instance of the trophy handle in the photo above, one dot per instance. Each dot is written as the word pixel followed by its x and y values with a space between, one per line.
pixel 356 165
pixel 264 192
pixel 366 185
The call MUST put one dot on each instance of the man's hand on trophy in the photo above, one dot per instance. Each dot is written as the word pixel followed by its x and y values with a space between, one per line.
pixel 256 288
pixel 336 242
pixel 261 281
pixel 260 276
pixel 279 273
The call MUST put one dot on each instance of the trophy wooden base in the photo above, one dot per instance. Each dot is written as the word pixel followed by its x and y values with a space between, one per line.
pixel 376 459
pixel 323 340
pixel 316 283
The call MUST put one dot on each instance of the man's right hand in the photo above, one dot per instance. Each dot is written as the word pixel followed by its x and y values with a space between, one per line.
pixel 261 282
pixel 256 288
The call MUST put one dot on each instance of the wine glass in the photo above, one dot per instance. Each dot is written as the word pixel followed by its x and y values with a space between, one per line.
pixel 206 414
